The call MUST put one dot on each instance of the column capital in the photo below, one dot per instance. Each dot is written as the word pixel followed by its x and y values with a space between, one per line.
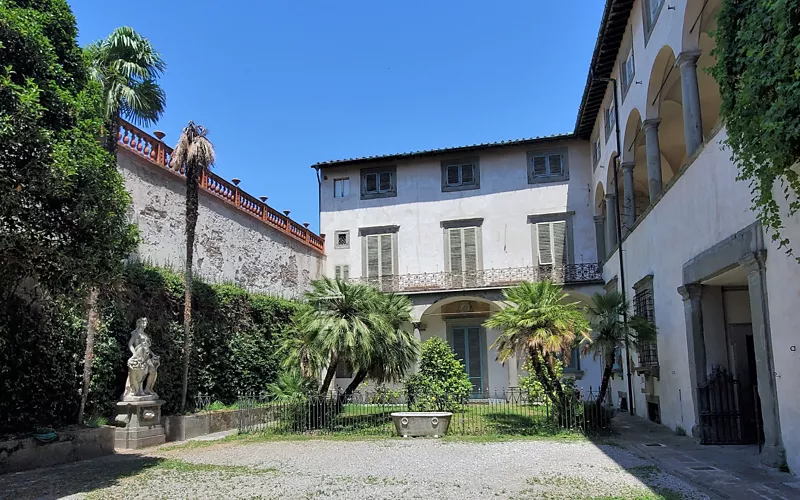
pixel 611 197
pixel 417 325
pixel 688 57
pixel 690 291
pixel 599 218
pixel 651 123
pixel 627 166
pixel 754 262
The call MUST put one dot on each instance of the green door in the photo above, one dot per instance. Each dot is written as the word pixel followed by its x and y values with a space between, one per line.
pixel 466 342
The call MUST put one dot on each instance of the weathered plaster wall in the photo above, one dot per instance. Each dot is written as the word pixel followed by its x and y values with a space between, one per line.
pixel 231 246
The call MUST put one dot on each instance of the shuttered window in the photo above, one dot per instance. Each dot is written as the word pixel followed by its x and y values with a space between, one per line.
pixel 380 255
pixel 460 175
pixel 342 272
pixel 547 166
pixel 551 239
pixel 463 249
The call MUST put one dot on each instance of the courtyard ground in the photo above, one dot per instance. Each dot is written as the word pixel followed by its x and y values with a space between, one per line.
pixel 365 469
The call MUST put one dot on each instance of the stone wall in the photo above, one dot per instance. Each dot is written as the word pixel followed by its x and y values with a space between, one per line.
pixel 231 246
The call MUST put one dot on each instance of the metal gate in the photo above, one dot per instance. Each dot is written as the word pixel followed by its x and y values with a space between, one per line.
pixel 720 414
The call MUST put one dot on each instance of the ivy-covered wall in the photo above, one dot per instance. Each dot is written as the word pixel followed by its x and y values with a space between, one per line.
pixel 235 338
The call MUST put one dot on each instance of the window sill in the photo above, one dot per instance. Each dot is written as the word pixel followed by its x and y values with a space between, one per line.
pixel 467 187
pixel 374 196
pixel 547 180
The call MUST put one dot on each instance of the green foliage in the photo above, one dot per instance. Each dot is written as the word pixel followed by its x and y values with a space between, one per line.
pixel 291 386
pixel 236 336
pixel 758 72
pixel 441 383
pixel 531 385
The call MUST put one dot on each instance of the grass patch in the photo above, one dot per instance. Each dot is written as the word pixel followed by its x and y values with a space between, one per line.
pixel 174 465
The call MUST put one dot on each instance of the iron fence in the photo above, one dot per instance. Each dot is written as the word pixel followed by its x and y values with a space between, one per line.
pixel 202 401
pixel 485 278
pixel 507 412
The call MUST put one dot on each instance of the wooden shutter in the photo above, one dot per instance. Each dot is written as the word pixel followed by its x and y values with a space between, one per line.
pixel 539 166
pixel 453 175
pixel 556 167
pixel 345 272
pixel 545 243
pixel 386 255
pixel 373 256
pixel 467 174
pixel 559 242
pixel 470 237
pixel 456 255
pixel 337 272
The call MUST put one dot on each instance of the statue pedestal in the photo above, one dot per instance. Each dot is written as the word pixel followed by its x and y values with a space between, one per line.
pixel 141 418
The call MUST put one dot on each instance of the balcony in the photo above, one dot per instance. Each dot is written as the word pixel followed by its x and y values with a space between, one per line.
pixel 570 274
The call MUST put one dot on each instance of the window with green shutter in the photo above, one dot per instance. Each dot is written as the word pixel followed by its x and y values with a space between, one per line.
pixel 551 238
pixel 341 272
pixel 380 255
pixel 463 249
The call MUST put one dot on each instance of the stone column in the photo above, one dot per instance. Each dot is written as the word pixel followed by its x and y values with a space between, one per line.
pixel 653 150
pixel 773 453
pixel 611 221
pixel 513 376
pixel 600 236
pixel 417 325
pixel 692 117
pixel 630 195
pixel 695 344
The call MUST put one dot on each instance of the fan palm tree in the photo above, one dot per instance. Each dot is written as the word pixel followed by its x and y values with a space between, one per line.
pixel 396 350
pixel 127 67
pixel 194 155
pixel 343 324
pixel 540 322
pixel 609 332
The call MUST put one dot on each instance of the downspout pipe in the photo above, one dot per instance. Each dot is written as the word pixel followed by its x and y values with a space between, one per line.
pixel 619 244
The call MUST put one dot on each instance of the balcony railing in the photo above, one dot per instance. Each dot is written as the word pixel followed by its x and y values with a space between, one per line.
pixel 569 274
pixel 154 150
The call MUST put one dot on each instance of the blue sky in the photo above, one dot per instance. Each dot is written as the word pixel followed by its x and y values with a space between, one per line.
pixel 283 84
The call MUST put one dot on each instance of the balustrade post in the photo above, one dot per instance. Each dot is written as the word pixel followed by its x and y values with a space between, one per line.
pixel 161 152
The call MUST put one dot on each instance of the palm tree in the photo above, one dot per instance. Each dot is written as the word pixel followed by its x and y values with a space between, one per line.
pixel 194 155
pixel 609 332
pixel 343 324
pixel 127 67
pixel 396 350
pixel 539 321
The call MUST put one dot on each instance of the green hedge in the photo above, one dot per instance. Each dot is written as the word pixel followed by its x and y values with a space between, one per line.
pixel 235 338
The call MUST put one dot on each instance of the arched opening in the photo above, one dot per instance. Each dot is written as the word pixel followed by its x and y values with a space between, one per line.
pixel 600 221
pixel 634 152
pixel 665 103
pixel 700 20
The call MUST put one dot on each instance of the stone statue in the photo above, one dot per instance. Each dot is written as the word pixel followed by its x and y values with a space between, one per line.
pixel 142 366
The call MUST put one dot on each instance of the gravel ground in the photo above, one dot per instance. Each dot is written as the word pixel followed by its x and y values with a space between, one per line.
pixel 359 469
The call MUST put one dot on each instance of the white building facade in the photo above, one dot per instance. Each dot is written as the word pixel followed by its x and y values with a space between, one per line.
pixel 695 259
pixel 452 228
pixel 645 173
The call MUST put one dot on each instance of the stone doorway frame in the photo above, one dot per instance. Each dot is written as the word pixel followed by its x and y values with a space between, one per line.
pixel 745 248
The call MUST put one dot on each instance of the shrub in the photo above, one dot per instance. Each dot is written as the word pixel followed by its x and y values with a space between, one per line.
pixel 531 387
pixel 442 383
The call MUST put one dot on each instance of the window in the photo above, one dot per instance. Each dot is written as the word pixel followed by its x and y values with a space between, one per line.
pixel 596 153
pixel 643 307
pixel 341 239
pixel 341 272
pixel 552 239
pixel 610 116
pixel 379 255
pixel 626 71
pixel 378 183
pixel 341 188
pixel 463 250
pixel 652 8
pixel 458 175
pixel 547 166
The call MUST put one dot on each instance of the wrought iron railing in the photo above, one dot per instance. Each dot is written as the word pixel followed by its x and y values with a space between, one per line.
pixel 486 278
pixel 509 412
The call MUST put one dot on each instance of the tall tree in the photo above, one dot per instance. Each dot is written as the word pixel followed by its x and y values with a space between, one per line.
pixel 127 67
pixel 63 220
pixel 396 350
pixel 610 334
pixel 194 153
pixel 539 321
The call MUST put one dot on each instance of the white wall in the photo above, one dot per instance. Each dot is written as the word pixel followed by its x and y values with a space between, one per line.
pixel 504 201
pixel 230 245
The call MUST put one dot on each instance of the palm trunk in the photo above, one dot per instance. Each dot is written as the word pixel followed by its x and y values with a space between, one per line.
pixel 111 133
pixel 191 224
pixel 93 318
pixel 360 376
pixel 551 373
pixel 329 374
pixel 541 375
pixel 601 395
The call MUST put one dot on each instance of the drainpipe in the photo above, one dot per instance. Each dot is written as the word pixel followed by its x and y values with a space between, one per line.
pixel 319 200
pixel 619 245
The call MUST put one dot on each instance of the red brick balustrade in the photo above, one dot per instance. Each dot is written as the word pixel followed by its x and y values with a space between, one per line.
pixel 133 139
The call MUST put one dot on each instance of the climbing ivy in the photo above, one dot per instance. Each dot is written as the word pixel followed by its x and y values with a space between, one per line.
pixel 758 72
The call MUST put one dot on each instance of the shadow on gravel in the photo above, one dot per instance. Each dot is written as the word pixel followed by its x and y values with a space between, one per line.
pixel 74 478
